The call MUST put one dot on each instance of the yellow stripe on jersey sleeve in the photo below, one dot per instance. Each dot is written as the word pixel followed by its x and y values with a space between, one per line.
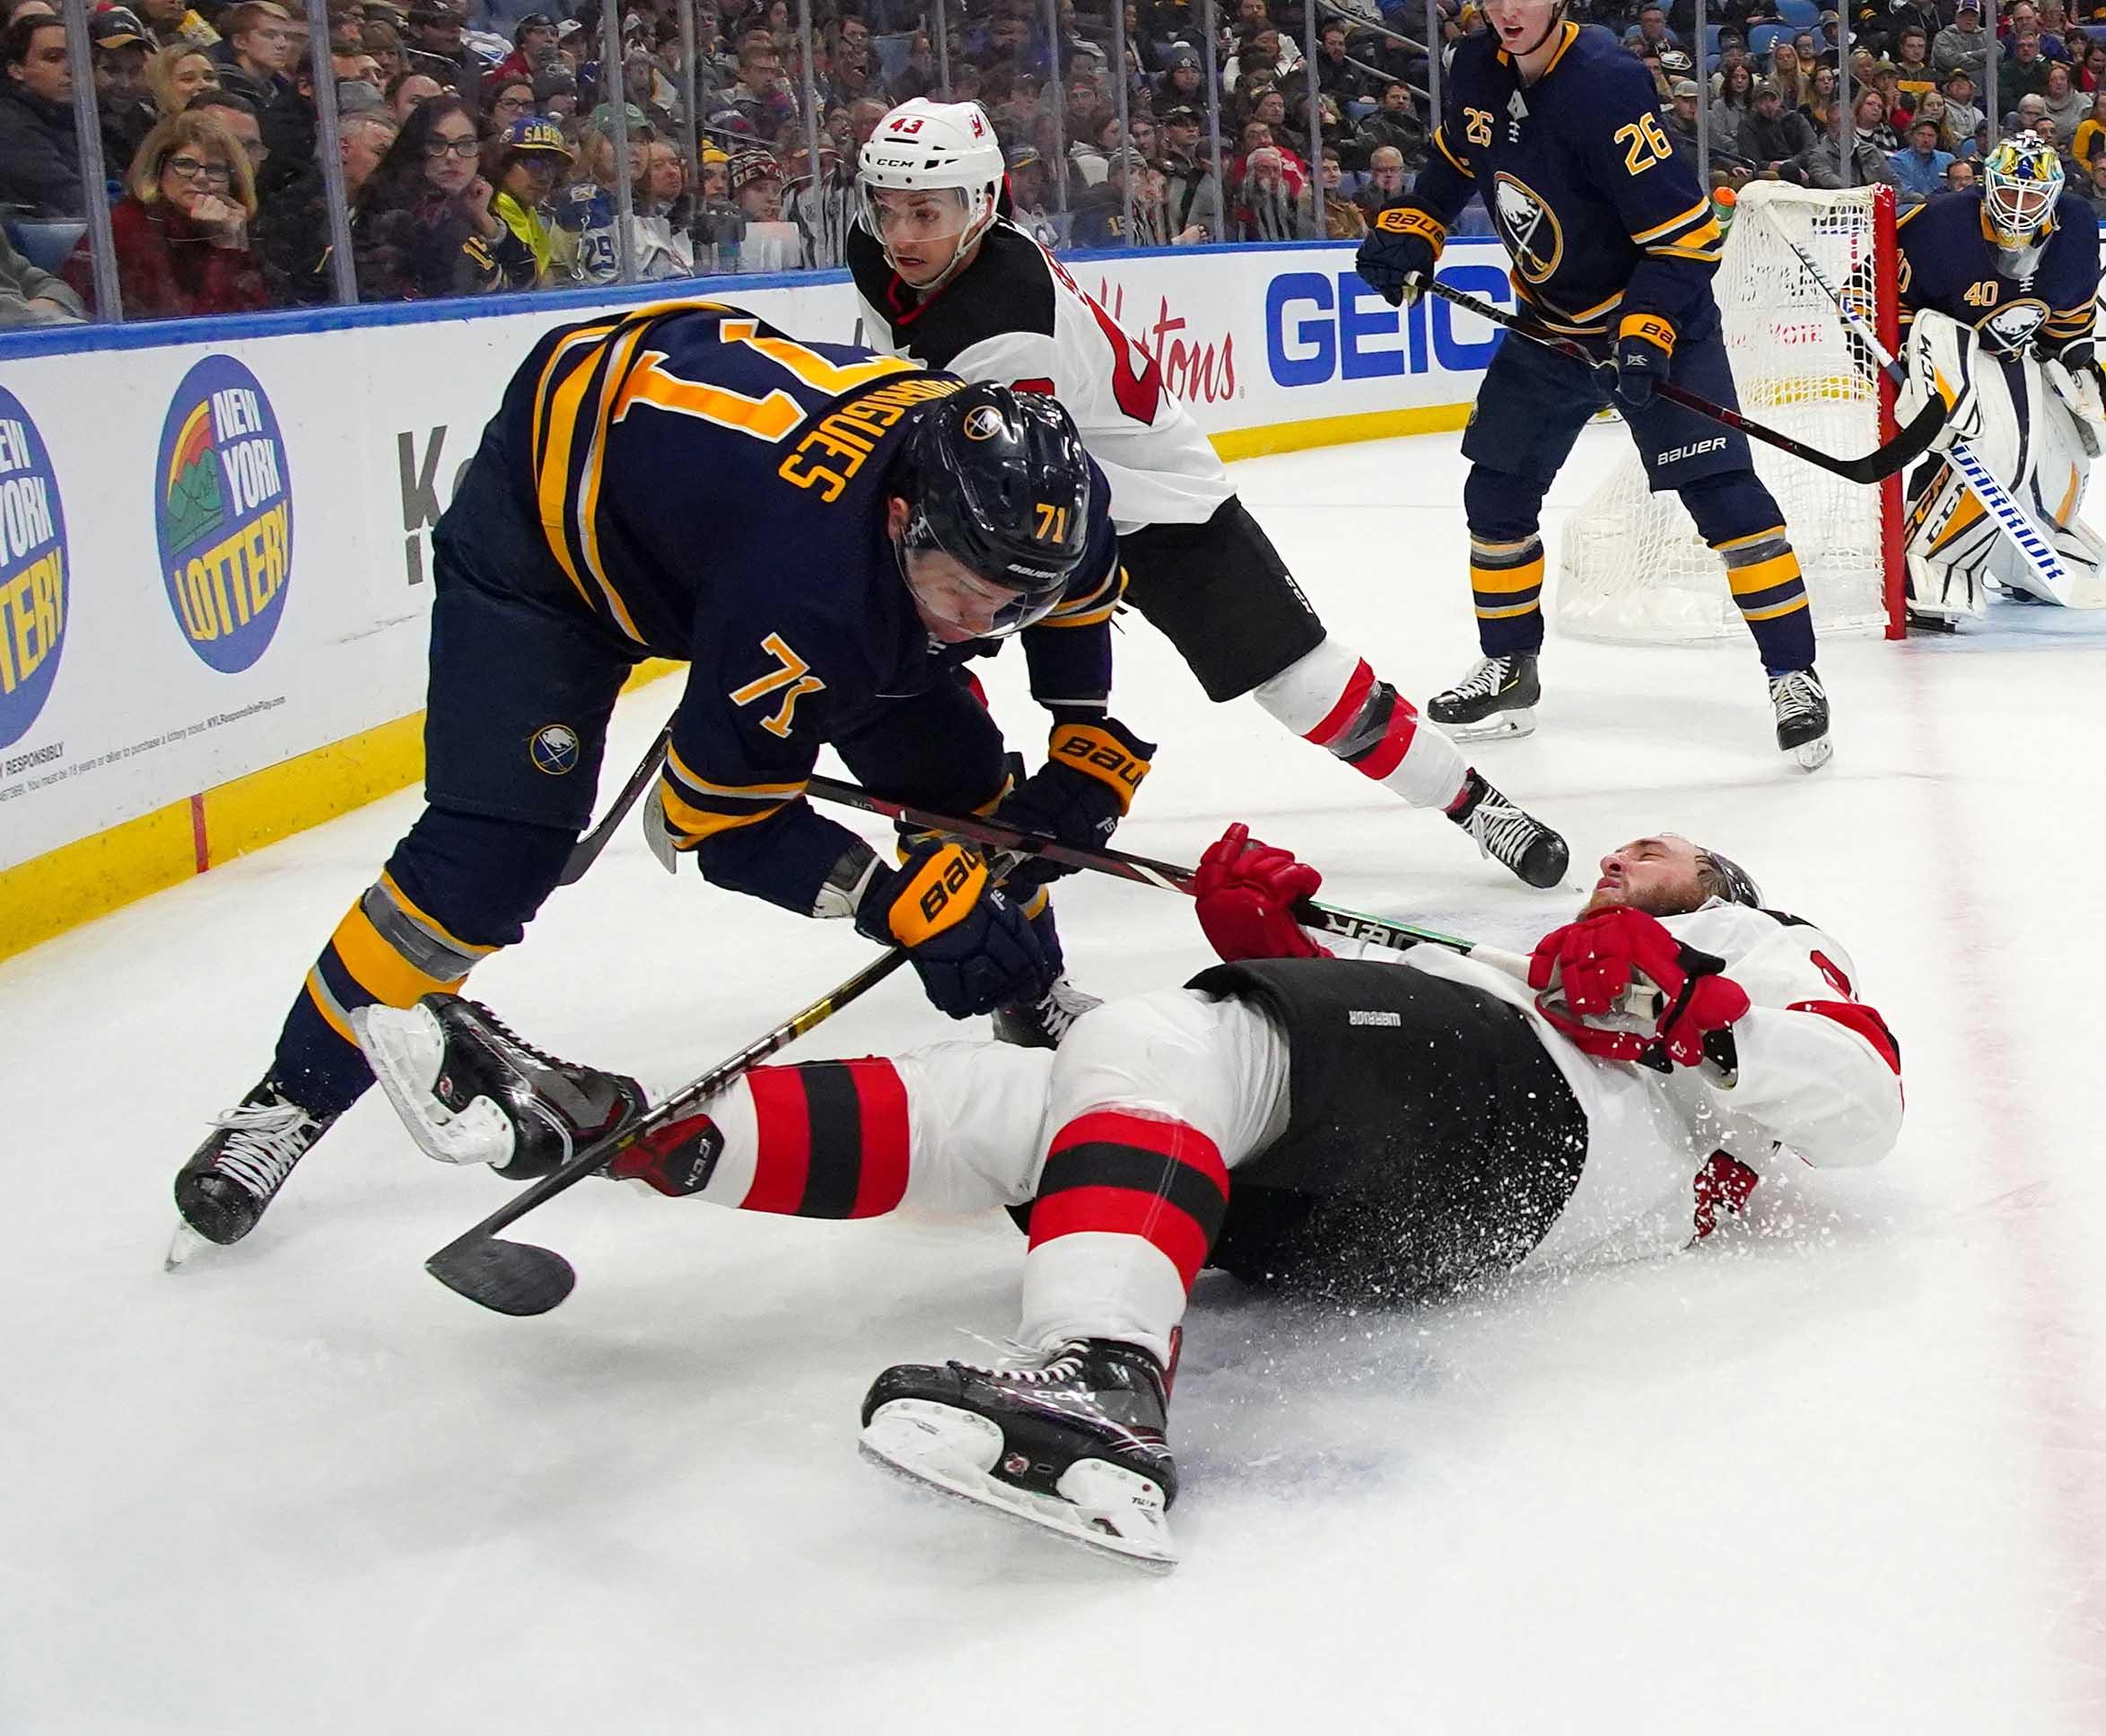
pixel 1702 208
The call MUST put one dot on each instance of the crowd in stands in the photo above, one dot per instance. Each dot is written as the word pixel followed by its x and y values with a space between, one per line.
pixel 478 143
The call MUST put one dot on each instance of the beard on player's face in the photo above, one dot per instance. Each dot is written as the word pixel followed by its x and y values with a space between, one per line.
pixel 1661 877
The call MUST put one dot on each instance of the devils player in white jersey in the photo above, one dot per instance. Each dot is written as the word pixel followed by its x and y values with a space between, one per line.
pixel 945 277
pixel 1372 1127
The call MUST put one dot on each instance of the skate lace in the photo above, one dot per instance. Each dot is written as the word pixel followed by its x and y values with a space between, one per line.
pixel 264 1141
pixel 1795 693
pixel 520 1042
pixel 1484 681
pixel 1026 1364
pixel 1502 831
pixel 1061 1006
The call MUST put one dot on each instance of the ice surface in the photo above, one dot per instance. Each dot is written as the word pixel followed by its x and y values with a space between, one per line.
pixel 1844 1475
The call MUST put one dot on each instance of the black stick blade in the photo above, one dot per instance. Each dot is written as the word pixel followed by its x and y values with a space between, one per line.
pixel 508 1278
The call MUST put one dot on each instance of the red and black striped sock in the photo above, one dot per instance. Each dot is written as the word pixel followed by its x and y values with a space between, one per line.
pixel 1113 1173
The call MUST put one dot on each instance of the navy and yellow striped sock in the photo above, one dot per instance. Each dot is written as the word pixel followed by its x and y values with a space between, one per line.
pixel 1771 595
pixel 1505 584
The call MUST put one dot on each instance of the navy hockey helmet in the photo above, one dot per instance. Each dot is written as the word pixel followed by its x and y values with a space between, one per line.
pixel 998 481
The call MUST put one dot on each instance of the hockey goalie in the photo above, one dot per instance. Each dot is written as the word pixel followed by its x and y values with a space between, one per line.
pixel 1996 287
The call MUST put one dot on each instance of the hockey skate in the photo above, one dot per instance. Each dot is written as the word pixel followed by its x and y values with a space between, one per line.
pixel 1510 835
pixel 1800 703
pixel 1070 1440
pixel 1043 1023
pixel 1496 698
pixel 237 1171
pixel 471 1092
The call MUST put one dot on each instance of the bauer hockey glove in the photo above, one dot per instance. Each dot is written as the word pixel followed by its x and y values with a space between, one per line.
pixel 1645 347
pixel 1246 892
pixel 973 948
pixel 1080 795
pixel 1583 972
pixel 1403 242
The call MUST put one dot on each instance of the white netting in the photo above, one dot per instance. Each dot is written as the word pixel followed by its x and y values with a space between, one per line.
pixel 1632 566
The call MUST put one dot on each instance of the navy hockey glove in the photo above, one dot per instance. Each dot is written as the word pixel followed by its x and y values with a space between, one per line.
pixel 972 947
pixel 1404 240
pixel 1080 795
pixel 1645 345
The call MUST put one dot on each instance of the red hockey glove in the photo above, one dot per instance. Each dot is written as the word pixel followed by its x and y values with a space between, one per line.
pixel 1246 892
pixel 1582 972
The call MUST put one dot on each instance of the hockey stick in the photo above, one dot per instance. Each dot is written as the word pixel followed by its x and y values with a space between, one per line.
pixel 1996 499
pixel 1347 925
pixel 586 850
pixel 517 1278
pixel 1874 467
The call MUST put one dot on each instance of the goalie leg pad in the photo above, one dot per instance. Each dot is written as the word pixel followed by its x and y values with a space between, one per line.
pixel 2063 446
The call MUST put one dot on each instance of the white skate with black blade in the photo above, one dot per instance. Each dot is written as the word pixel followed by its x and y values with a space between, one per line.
pixel 1801 703
pixel 471 1092
pixel 1043 1023
pixel 1070 1440
pixel 1496 698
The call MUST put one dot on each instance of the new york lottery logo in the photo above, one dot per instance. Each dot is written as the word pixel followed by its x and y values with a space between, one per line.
pixel 33 574
pixel 223 514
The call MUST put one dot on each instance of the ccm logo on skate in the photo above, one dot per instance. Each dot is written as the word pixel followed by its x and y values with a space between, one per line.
pixel 1321 326
pixel 1690 451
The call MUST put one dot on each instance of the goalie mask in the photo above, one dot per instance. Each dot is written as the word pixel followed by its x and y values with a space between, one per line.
pixel 928 183
pixel 2020 180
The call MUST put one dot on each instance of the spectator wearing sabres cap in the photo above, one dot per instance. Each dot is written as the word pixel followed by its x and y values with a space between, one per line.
pixel 119 44
pixel 532 159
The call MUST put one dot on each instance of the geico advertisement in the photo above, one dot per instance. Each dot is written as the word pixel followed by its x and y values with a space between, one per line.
pixel 252 582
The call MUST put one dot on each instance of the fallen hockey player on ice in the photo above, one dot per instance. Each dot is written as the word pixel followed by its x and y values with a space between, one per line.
pixel 1367 1124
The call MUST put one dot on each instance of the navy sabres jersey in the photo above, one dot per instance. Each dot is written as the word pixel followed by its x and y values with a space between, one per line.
pixel 1950 265
pixel 714 491
pixel 1602 218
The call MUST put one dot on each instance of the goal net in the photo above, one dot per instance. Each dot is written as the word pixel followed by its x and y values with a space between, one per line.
pixel 1631 567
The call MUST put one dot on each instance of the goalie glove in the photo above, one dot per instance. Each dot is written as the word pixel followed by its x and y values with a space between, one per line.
pixel 1080 795
pixel 1941 357
pixel 1247 893
pixel 1403 242
pixel 1584 973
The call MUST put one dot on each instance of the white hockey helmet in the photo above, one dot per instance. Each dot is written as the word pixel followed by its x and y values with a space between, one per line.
pixel 933 147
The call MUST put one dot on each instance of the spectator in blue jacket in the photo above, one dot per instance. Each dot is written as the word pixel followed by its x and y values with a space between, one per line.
pixel 1919 169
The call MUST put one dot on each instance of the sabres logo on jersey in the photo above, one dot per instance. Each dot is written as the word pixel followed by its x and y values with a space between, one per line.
pixel 2012 326
pixel 1528 226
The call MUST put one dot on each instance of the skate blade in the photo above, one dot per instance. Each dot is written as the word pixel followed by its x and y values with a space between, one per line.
pixel 1136 1535
pixel 1812 756
pixel 397 1042
pixel 185 1245
pixel 1500 726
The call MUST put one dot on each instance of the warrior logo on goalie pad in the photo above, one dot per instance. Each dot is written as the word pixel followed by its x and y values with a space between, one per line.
pixel 1528 226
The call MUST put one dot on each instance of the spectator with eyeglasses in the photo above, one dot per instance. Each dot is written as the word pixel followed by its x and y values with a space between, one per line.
pixel 181 230
pixel 507 99
pixel 423 227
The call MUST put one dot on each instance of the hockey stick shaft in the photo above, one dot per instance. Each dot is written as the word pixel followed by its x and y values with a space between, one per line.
pixel 1327 919
pixel 586 850
pixel 1874 467
pixel 1994 497
pixel 519 1279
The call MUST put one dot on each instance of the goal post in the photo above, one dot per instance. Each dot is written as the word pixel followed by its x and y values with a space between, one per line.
pixel 1632 566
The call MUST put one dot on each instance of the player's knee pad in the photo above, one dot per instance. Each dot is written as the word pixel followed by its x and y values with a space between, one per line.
pixel 1131 1050
pixel 479 878
pixel 1501 508
pixel 1733 505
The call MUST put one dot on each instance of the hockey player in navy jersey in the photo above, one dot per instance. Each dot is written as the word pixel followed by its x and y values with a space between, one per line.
pixel 1368 1126
pixel 820 534
pixel 1996 287
pixel 1614 245
pixel 944 276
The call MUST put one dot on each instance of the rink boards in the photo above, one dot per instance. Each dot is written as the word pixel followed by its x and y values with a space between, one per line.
pixel 214 534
